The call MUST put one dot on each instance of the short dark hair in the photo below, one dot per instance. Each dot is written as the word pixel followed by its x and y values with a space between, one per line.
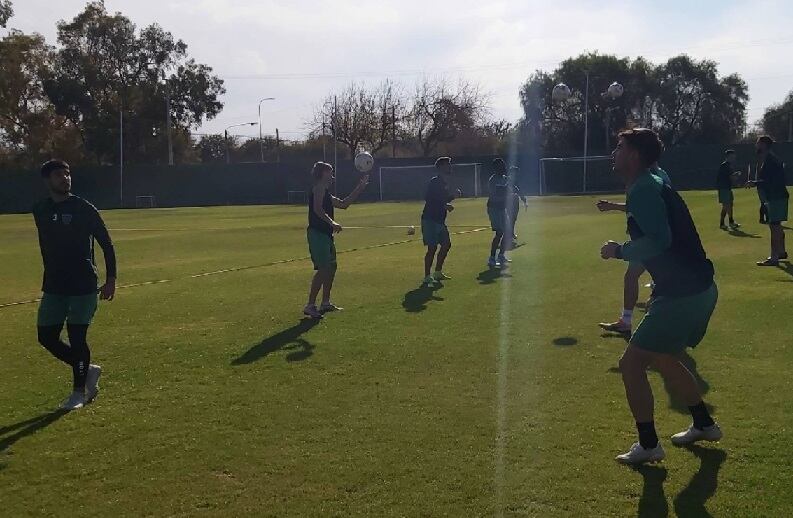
pixel 319 168
pixel 441 161
pixel 646 142
pixel 499 166
pixel 768 141
pixel 729 152
pixel 50 166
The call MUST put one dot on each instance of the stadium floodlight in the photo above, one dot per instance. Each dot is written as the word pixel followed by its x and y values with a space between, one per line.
pixel 226 136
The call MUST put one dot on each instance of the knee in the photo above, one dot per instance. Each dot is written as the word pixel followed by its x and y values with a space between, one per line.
pixel 47 336
pixel 431 250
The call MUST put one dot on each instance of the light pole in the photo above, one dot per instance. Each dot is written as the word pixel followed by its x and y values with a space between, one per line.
pixel 261 142
pixel 226 137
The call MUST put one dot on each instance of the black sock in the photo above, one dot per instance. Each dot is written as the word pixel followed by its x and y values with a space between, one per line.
pixel 81 352
pixel 701 416
pixel 647 436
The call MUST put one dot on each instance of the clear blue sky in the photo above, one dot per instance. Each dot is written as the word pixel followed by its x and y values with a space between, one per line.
pixel 299 51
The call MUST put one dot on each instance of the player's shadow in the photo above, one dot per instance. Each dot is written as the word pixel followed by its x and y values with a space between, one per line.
pixel 10 434
pixel 490 275
pixel 289 339
pixel 652 503
pixel 416 300
pixel 741 233
pixel 565 341
pixel 704 387
pixel 690 503
pixel 786 267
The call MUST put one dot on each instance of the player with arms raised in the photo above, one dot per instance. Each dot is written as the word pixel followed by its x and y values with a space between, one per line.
pixel 434 231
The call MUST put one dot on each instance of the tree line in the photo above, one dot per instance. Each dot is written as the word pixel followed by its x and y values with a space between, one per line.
pixel 107 76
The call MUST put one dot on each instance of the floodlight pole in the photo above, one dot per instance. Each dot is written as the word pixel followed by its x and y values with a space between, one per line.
pixel 586 127
pixel 226 137
pixel 121 154
pixel 261 141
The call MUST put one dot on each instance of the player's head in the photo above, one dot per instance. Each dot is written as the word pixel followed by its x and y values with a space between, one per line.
pixel 322 172
pixel 730 156
pixel 57 176
pixel 764 145
pixel 499 167
pixel 637 149
pixel 444 165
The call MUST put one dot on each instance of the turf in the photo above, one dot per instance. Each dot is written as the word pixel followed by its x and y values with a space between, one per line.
pixel 495 394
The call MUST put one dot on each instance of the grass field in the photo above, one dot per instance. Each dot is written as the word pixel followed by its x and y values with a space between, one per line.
pixel 491 395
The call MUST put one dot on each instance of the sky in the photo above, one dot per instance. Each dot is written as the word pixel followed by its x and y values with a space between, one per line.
pixel 300 51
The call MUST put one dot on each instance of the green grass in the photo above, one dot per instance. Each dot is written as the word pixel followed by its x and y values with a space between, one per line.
pixel 490 395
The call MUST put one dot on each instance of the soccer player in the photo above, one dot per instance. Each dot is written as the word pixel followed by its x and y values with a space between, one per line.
pixel 67 227
pixel 498 190
pixel 663 238
pixel 630 284
pixel 321 227
pixel 774 196
pixel 433 221
pixel 724 181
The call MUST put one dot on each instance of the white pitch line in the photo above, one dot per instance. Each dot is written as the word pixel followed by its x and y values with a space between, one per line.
pixel 252 267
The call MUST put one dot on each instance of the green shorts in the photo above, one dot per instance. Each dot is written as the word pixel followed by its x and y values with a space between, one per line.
pixel 777 210
pixel 726 196
pixel 322 249
pixel 434 233
pixel 498 219
pixel 54 310
pixel 674 323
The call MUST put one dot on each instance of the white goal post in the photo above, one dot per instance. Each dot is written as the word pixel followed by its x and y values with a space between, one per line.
pixel 410 182
pixel 578 175
pixel 145 202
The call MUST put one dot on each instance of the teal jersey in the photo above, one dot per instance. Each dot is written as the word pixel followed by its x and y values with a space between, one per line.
pixel 665 239
pixel 663 175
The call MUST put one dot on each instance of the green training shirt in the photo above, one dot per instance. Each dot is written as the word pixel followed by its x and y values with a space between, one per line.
pixel 665 239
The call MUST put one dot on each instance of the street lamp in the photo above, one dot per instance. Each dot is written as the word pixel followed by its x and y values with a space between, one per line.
pixel 226 137
pixel 261 142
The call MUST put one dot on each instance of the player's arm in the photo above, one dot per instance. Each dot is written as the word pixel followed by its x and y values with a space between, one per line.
pixel 521 196
pixel 649 211
pixel 42 241
pixel 605 206
pixel 319 210
pixel 350 199
pixel 102 236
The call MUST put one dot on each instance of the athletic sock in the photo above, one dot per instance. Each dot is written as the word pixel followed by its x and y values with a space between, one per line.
pixel 627 316
pixel 648 438
pixel 702 418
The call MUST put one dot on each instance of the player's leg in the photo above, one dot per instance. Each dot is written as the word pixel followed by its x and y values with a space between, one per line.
pixel 327 305
pixel 731 215
pixel 495 245
pixel 443 252
pixel 50 337
pixel 78 340
pixel 52 314
pixel 723 215
pixel 630 296
pixel 777 243
pixel 86 375
pixel 633 366
pixel 321 248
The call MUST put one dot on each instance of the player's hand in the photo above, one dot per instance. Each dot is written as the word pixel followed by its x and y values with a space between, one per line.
pixel 605 205
pixel 363 182
pixel 108 291
pixel 609 250
pixel 449 207
pixel 459 193
pixel 336 227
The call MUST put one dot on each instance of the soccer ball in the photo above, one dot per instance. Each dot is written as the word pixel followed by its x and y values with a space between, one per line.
pixel 561 92
pixel 411 230
pixel 364 162
pixel 615 90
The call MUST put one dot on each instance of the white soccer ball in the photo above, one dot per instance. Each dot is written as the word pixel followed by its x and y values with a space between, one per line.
pixel 561 92
pixel 411 230
pixel 615 90
pixel 364 162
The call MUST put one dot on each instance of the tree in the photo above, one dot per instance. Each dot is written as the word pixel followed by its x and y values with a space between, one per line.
pixel 694 105
pixel 362 116
pixel 777 120
pixel 212 148
pixel 684 100
pixel 105 65
pixel 440 112
pixel 30 131
pixel 6 12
